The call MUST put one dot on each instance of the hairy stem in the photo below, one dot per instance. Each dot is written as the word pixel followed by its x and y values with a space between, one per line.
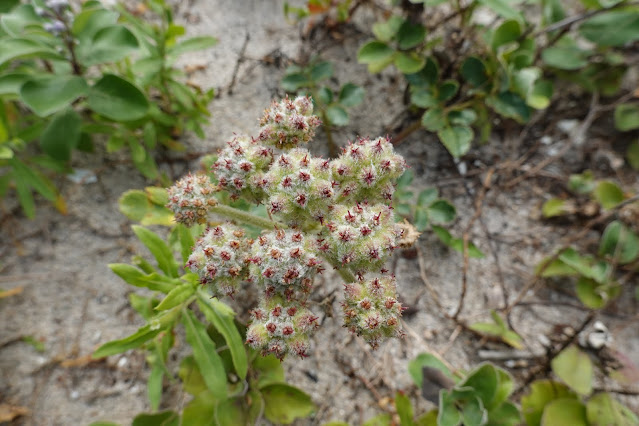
pixel 246 217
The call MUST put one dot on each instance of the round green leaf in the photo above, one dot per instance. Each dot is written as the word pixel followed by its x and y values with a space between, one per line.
pixel 632 155
pixel 61 135
pixel 410 35
pixel 627 117
pixel 49 95
pixel 285 403
pixel 165 418
pixel 602 409
pixel 109 44
pixel 409 63
pixel 117 99
pixel 456 139
pixel 542 392
pixel 385 31
pixel 337 115
pixel 593 294
pixel 564 412
pixel 447 90
pixel 507 32
pixel 434 119
pixel 574 367
pixel 510 105
pixel 321 71
pixel 351 95
pixel 620 242
pixel 473 71
pixel 374 51
pixel 608 194
pixel 441 211
pixel 539 96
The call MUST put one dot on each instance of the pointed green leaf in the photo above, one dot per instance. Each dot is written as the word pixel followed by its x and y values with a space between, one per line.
pixel 62 135
pixel 285 403
pixel 159 249
pixel 109 44
pixel 53 93
pixel 134 276
pixel 574 367
pixel 135 340
pixel 117 99
pixel 205 354
pixel 456 139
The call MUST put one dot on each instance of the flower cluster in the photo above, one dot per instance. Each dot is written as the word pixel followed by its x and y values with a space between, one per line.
pixel 337 211
pixel 366 170
pixel 371 309
pixel 288 123
pixel 360 237
pixel 219 258
pixel 299 187
pixel 240 168
pixel 191 198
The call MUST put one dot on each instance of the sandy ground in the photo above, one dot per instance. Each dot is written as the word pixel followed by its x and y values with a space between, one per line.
pixel 72 303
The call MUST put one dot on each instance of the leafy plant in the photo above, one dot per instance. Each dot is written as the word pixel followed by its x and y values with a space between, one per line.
pixel 331 106
pixel 508 68
pixel 339 8
pixel 429 211
pixel 230 384
pixel 69 75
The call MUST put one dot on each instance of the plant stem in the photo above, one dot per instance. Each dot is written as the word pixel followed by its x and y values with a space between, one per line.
pixel 407 131
pixel 246 217
pixel 333 152
pixel 346 275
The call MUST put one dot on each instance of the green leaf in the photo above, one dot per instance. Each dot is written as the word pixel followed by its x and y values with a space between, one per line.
pixel 158 249
pixel 434 119
pixel 565 411
pixel 379 420
pixel 507 32
pixel 423 97
pixel 582 183
pixel 176 296
pixel 351 95
pixel 11 83
pixel 474 71
pixel 627 117
pixel 321 71
pixel 205 354
pixel 456 139
pixel 575 368
pixel 61 135
pixel 553 207
pixel 614 28
pixel 117 99
pixel 192 380
pixel 426 360
pixel 408 62
pixel 294 81
pixel 165 418
pixel 502 8
pixel 456 244
pixel 137 206
pixel 135 277
pixel 593 294
pixel 426 77
pixel 404 409
pixel 109 44
pixel 269 370
pixel 217 313
pixel 324 95
pixel 602 409
pixel 22 48
pixel 483 380
pixel 410 35
pixel 230 412
pixel 154 386
pixel 337 115
pixel 447 90
pixel 385 31
pixel 285 403
pixel 25 175
pixel 376 54
pixel 540 95
pixel 608 194
pixel 565 57
pixel 619 242
pixel 542 392
pixel 632 155
pixel 192 44
pixel 464 117
pixel 133 341
pixel 427 196
pixel 200 411
pixel 510 105
pixel 51 94
pixel 448 414
pixel 88 22
pixel 441 211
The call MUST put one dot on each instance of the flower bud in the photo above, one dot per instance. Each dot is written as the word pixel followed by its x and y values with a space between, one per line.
pixel 366 170
pixel 240 168
pixel 300 188
pixel 360 237
pixel 371 309
pixel 288 123
pixel 283 263
pixel 219 258
pixel 191 198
